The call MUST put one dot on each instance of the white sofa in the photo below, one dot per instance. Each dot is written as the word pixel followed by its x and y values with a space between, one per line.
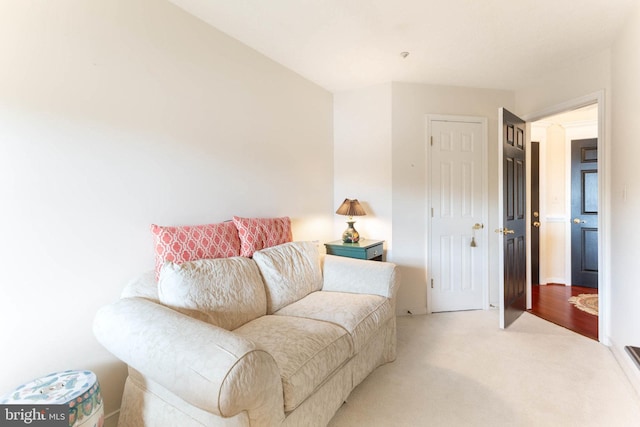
pixel 278 339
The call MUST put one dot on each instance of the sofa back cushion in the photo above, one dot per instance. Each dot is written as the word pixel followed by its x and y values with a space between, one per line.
pixel 193 242
pixel 290 271
pixel 226 292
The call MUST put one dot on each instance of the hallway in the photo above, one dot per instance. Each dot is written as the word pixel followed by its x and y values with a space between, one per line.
pixel 550 302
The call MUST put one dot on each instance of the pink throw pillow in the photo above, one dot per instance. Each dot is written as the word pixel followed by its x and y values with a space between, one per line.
pixel 259 233
pixel 191 243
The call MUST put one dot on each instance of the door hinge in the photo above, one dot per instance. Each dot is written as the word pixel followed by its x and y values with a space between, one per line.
pixel 431 139
pixel 431 212
pixel 431 283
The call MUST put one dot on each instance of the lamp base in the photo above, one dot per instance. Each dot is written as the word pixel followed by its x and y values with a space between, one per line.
pixel 350 235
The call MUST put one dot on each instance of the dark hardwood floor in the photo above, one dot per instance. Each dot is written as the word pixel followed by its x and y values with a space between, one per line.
pixel 550 302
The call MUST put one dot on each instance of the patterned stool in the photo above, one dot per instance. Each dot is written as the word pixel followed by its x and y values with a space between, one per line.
pixel 77 389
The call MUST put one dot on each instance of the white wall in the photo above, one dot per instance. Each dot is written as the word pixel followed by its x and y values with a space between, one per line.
pixel 384 126
pixel 581 78
pixel 391 119
pixel 115 114
pixel 625 193
pixel 362 153
pixel 552 233
pixel 411 103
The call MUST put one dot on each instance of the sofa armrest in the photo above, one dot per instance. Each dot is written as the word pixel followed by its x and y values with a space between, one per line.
pixel 207 366
pixel 143 286
pixel 342 274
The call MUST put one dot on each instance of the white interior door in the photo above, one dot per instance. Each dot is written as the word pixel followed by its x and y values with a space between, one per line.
pixel 458 252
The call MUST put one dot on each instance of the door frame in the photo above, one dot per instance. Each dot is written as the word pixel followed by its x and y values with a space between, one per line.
pixel 604 179
pixel 483 121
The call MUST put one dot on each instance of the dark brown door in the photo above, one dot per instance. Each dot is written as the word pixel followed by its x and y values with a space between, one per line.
pixel 584 212
pixel 535 213
pixel 514 218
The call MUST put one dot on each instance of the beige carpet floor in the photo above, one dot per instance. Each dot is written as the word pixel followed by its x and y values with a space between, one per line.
pixel 459 369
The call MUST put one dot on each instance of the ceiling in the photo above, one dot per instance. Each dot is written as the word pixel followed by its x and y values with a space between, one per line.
pixel 347 44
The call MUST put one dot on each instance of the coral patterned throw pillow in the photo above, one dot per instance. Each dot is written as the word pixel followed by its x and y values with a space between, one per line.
pixel 194 242
pixel 259 233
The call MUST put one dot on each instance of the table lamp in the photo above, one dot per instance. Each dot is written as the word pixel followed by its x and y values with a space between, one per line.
pixel 350 208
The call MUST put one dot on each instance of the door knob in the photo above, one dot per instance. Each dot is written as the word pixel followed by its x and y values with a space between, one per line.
pixel 536 224
pixel 504 231
pixel 578 221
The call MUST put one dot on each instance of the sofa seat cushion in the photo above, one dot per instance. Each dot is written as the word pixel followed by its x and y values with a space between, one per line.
pixel 361 315
pixel 306 351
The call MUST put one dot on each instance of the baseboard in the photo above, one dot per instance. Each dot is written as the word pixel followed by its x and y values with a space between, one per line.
pixel 628 365
pixel 411 311
pixel 111 420
pixel 555 281
pixel 635 354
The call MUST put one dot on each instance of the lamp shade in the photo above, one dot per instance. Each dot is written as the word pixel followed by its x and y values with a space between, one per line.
pixel 351 207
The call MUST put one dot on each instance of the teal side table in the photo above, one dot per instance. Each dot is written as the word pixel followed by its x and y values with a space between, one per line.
pixel 364 249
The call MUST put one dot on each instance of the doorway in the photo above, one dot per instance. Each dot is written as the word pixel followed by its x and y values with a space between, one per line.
pixel 557 263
